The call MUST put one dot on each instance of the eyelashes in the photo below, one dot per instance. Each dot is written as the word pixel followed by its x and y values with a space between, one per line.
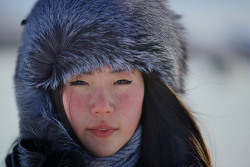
pixel 118 82
pixel 123 82
pixel 78 82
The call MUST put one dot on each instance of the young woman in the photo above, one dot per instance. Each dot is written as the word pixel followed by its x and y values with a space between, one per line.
pixel 97 84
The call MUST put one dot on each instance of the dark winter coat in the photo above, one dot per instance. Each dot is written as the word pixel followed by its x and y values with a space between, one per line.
pixel 44 156
pixel 65 38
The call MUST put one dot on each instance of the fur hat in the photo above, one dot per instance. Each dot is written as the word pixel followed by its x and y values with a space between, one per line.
pixel 65 38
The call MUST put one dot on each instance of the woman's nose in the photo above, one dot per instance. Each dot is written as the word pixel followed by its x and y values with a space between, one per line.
pixel 102 103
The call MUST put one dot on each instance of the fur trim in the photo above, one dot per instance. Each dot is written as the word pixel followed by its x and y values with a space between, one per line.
pixel 65 38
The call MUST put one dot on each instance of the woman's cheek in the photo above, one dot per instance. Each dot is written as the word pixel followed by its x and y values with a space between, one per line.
pixel 76 102
pixel 129 104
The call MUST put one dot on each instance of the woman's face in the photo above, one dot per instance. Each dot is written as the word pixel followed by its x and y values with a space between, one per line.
pixel 104 108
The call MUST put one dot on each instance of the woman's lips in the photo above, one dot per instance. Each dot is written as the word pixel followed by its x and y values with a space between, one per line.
pixel 102 130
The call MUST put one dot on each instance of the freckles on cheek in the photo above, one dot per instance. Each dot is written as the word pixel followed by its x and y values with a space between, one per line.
pixel 122 102
pixel 75 102
pixel 130 103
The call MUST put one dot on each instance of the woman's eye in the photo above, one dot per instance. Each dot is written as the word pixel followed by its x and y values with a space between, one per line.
pixel 78 82
pixel 123 81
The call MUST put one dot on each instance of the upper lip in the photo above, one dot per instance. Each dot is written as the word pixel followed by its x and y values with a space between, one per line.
pixel 102 127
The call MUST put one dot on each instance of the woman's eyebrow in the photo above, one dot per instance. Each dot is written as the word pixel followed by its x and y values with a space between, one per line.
pixel 127 72
pixel 122 71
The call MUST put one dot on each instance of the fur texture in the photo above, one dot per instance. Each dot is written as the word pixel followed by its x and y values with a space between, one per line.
pixel 65 38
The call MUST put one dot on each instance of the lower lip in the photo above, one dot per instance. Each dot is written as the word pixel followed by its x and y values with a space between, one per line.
pixel 105 133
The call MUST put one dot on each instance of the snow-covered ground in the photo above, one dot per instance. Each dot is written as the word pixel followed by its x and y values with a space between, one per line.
pixel 218 95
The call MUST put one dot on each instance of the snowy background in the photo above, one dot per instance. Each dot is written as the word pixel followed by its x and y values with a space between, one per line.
pixel 217 85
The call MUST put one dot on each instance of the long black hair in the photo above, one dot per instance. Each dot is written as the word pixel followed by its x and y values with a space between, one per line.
pixel 170 136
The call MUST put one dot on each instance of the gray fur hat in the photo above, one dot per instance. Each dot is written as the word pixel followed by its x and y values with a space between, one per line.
pixel 65 38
